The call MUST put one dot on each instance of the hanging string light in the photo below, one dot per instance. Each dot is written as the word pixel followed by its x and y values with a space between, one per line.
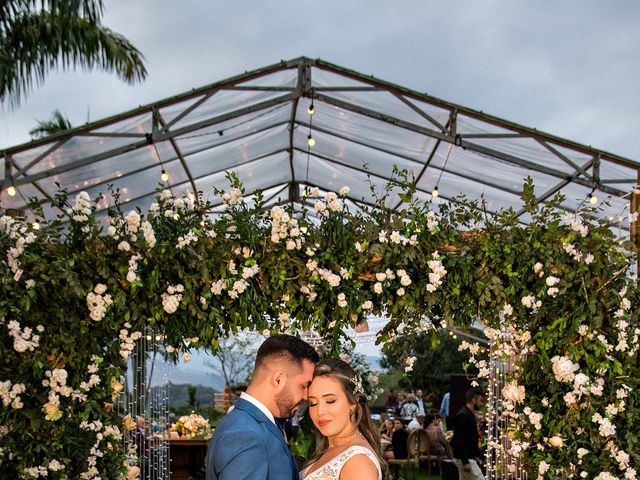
pixel 592 197
pixel 164 176
pixel 435 193
pixel 310 140
pixel 11 191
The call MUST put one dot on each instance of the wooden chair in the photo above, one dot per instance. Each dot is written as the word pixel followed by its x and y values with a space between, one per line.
pixel 412 462
pixel 424 449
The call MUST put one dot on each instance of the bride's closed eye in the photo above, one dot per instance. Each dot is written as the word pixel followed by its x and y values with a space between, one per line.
pixel 313 404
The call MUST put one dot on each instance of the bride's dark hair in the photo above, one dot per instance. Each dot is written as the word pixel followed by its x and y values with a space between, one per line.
pixel 361 417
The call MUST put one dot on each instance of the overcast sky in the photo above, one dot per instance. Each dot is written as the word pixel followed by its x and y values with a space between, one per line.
pixel 570 68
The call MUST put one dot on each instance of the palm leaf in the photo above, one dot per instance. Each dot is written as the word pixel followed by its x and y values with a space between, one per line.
pixel 35 42
pixel 57 123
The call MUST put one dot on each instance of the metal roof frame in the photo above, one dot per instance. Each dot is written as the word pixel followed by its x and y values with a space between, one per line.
pixel 414 128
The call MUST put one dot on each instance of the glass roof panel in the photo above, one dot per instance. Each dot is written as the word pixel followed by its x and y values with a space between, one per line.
pixel 221 103
pixel 610 171
pixel 372 132
pixel 105 171
pixel 325 78
pixel 282 78
pixel 452 186
pixel 224 132
pixel 261 174
pixel 486 169
pixel 136 124
pixel 389 105
pixel 233 154
pixel 353 154
pixel 332 177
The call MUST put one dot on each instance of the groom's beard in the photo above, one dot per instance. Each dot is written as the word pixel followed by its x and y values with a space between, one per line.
pixel 285 404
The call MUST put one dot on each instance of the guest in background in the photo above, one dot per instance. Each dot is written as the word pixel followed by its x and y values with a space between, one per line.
pixel 437 441
pixel 466 437
pixel 444 410
pixel 399 403
pixel 386 433
pixel 409 409
pixel 416 423
pixel 392 401
pixel 399 440
pixel 419 400
pixel 386 430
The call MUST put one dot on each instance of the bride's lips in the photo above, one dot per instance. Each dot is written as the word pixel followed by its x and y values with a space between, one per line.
pixel 323 423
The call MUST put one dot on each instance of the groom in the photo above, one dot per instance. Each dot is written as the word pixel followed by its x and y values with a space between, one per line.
pixel 247 444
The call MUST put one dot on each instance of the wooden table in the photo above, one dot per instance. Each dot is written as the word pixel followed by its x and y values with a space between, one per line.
pixel 188 457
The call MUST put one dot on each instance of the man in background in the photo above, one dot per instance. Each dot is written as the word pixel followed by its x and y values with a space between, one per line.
pixel 444 411
pixel 466 437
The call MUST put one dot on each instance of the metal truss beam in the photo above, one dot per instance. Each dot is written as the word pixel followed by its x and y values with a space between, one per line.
pixel 200 177
pixel 176 149
pixel 170 160
pixel 160 137
pixel 469 112
pixel 489 152
pixel 417 162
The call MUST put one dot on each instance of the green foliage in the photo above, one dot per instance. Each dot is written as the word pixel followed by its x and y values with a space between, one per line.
pixel 203 277
pixel 435 362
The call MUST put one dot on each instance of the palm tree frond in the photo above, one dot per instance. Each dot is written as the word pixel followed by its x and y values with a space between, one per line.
pixel 67 35
pixel 57 123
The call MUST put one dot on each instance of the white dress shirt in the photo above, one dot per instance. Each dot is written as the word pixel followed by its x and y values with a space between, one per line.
pixel 259 405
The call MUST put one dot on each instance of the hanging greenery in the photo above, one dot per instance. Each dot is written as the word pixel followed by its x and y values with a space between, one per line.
pixel 75 295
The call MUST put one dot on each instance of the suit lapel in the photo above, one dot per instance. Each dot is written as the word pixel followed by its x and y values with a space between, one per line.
pixel 253 411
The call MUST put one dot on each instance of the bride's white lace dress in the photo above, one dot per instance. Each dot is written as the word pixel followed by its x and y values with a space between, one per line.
pixel 331 469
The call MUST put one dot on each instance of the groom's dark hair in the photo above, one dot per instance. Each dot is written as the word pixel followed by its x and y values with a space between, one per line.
pixel 287 347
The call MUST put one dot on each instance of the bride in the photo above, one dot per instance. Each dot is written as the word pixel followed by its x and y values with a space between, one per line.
pixel 349 448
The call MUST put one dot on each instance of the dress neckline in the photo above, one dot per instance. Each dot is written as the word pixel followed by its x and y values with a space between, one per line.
pixel 339 460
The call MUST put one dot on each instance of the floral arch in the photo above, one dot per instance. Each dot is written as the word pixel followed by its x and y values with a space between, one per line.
pixel 559 294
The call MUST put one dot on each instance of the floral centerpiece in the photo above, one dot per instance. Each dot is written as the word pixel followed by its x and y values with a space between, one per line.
pixel 191 426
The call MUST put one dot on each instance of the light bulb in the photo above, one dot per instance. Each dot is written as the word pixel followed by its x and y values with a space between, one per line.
pixel 11 191
pixel 35 225
pixel 164 176
pixel 435 192
pixel 593 200
pixel 311 141
pixel 311 109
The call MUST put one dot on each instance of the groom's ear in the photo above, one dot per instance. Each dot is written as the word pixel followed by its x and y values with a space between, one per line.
pixel 278 378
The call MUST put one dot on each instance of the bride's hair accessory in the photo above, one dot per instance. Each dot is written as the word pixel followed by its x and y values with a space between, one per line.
pixel 357 385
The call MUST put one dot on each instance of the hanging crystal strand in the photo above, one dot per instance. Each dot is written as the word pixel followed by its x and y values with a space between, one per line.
pixel 501 463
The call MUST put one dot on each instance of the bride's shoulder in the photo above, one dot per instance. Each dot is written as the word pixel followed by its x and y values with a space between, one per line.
pixel 361 464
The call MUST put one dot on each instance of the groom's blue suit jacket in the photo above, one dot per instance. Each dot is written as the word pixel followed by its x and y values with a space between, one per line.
pixel 246 445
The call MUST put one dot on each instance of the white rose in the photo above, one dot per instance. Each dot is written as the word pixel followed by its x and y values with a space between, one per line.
pixel 555 441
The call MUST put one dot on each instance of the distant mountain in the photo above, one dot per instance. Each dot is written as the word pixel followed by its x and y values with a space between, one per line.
pixel 179 395
pixel 196 372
